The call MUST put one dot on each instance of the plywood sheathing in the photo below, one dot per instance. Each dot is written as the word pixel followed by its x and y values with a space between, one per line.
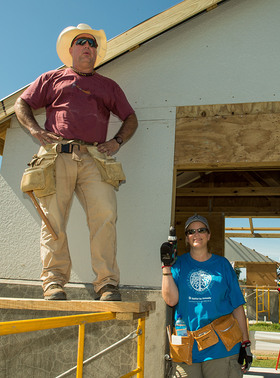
pixel 228 136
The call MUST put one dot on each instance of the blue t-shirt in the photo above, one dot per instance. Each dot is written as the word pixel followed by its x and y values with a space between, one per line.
pixel 207 291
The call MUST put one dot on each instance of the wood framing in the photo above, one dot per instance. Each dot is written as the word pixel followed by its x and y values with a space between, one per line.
pixel 261 274
pixel 227 164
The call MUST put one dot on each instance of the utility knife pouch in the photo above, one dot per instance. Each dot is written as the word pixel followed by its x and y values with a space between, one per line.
pixel 182 353
pixel 110 170
pixel 205 337
pixel 228 330
pixel 40 176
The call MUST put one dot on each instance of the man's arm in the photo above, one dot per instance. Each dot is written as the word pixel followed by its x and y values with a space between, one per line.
pixel 126 131
pixel 26 118
pixel 169 289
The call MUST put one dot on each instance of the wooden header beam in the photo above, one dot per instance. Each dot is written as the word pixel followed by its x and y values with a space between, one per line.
pixel 252 229
pixel 247 235
pixel 229 192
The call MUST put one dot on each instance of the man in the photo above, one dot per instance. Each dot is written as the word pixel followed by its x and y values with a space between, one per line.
pixel 78 103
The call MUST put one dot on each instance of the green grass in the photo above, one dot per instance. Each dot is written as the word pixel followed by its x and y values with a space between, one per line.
pixel 265 363
pixel 265 327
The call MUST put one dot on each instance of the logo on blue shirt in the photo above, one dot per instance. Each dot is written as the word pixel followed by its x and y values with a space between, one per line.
pixel 200 280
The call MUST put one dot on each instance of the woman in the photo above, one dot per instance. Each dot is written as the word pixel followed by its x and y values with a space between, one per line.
pixel 205 290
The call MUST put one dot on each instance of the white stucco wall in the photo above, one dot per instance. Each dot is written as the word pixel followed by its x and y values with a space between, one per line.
pixel 228 55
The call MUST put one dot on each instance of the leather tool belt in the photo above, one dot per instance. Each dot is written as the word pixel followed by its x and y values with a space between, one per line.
pixel 110 170
pixel 40 176
pixel 226 327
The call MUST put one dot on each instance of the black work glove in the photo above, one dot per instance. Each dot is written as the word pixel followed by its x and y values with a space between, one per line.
pixel 245 356
pixel 168 253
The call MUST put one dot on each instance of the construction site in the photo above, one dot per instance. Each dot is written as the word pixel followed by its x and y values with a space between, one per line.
pixel 208 142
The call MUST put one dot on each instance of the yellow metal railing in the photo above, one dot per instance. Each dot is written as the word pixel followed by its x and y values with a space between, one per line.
pixel 261 305
pixel 260 301
pixel 30 325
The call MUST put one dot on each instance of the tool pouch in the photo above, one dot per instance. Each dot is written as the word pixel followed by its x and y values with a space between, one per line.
pixel 182 353
pixel 40 176
pixel 111 171
pixel 228 330
pixel 205 337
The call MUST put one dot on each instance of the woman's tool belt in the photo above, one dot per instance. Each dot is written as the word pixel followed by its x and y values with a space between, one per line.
pixel 226 327
pixel 228 330
pixel 183 352
pixel 40 176
pixel 110 170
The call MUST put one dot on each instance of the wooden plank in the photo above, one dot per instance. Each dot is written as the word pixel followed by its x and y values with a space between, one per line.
pixel 7 105
pixel 173 206
pixel 79 306
pixel 2 142
pixel 155 26
pixel 230 211
pixel 254 228
pixel 228 192
pixel 261 274
pixel 225 110
pixel 218 141
pixel 247 235
pixel 3 128
pixel 272 217
pixel 227 166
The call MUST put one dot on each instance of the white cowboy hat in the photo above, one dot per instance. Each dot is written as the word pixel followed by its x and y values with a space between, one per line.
pixel 68 34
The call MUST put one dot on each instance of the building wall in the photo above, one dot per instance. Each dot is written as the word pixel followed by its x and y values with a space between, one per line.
pixel 227 55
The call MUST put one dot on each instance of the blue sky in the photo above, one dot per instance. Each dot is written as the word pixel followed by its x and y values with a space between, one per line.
pixel 29 31
pixel 30 28
pixel 266 246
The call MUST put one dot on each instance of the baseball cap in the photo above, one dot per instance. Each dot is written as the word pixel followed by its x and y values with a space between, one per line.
pixel 197 218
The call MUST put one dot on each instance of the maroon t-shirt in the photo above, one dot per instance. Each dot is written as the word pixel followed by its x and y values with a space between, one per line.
pixel 77 107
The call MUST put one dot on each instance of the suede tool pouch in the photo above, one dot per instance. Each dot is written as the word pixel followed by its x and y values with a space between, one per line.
pixel 111 171
pixel 228 329
pixel 40 176
pixel 183 352
pixel 205 337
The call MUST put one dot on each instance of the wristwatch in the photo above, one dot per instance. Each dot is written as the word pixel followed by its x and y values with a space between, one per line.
pixel 118 139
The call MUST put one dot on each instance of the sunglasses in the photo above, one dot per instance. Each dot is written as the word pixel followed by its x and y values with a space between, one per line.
pixel 83 40
pixel 192 231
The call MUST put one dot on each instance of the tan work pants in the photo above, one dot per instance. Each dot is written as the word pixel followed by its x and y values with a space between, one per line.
pixel 80 175
pixel 227 367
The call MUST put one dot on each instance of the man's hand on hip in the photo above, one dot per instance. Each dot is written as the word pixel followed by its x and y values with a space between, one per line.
pixel 109 148
pixel 45 137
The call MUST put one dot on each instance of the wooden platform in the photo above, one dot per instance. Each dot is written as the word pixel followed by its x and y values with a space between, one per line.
pixel 124 310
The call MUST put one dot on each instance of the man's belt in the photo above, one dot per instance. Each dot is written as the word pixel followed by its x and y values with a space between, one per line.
pixel 68 148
